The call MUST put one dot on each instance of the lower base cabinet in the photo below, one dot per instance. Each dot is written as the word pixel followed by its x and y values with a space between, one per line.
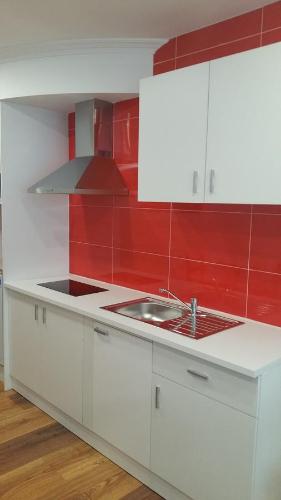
pixel 122 372
pixel 46 346
pixel 200 446
pixel 210 433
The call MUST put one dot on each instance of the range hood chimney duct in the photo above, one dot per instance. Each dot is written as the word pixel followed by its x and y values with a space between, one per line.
pixel 94 170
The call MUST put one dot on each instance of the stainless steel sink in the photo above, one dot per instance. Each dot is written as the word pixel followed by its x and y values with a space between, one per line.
pixel 174 318
pixel 149 311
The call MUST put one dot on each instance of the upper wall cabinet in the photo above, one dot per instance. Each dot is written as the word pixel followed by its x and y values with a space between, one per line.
pixel 244 128
pixel 173 129
pixel 243 150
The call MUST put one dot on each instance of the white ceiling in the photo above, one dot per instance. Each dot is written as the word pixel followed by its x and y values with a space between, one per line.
pixel 31 21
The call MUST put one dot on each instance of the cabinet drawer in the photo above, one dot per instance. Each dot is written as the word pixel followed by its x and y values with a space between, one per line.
pixel 226 386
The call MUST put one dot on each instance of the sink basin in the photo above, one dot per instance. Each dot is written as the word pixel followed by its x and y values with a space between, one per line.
pixel 149 311
pixel 174 318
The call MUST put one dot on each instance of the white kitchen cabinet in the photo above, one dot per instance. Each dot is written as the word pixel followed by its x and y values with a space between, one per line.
pixel 46 345
pixel 25 344
pixel 229 139
pixel 122 371
pixel 200 446
pixel 244 123
pixel 62 346
pixel 172 140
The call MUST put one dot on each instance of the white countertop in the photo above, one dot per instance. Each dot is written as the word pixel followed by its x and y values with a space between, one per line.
pixel 249 349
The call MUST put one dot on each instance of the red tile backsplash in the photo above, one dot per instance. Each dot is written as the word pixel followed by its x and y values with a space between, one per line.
pixel 125 141
pixel 91 225
pixel 272 36
pixel 142 230
pixel 271 16
pixel 264 297
pixel 227 49
pixel 126 109
pixel 220 33
pixel 91 261
pixel 166 52
pixel 211 237
pixel 229 256
pixel 142 271
pixel 266 243
pixel 218 287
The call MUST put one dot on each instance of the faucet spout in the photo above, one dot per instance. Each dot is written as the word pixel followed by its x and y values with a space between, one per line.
pixel 193 301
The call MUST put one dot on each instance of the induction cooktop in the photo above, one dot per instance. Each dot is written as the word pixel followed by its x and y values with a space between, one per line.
pixel 71 287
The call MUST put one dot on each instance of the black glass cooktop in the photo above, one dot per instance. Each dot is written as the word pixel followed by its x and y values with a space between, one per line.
pixel 71 287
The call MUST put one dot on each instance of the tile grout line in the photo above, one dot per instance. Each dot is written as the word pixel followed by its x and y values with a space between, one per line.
pixel 249 258
pixel 189 210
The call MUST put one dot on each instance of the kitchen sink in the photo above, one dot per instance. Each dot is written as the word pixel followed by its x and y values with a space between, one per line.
pixel 173 317
pixel 149 311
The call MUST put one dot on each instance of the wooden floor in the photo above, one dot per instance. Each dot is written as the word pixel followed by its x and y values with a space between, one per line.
pixel 40 459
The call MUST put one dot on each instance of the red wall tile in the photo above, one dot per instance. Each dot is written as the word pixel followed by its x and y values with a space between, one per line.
pixel 164 67
pixel 141 271
pixel 152 245
pixel 265 297
pixel 143 230
pixel 126 109
pixel 266 243
pixel 166 52
pixel 91 261
pixel 91 225
pixel 220 51
pixel 211 237
pixel 71 144
pixel 272 16
pixel 220 33
pixel 271 37
pixel 218 287
pixel 125 140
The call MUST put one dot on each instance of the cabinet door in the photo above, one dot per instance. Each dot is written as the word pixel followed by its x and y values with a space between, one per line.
pixel 62 349
pixel 244 147
pixel 200 446
pixel 24 334
pixel 172 139
pixel 122 392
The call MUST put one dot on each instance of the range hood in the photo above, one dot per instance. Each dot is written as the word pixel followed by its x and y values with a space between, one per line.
pixel 94 170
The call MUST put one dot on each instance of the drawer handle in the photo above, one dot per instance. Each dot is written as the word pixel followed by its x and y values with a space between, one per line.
pixel 44 315
pixel 36 312
pixel 157 397
pixel 198 374
pixel 212 181
pixel 195 182
pixel 100 332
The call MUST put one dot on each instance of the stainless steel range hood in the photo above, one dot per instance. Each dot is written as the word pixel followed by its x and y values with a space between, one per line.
pixel 94 170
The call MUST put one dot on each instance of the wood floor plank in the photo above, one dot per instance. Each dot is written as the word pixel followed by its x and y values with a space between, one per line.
pixel 41 460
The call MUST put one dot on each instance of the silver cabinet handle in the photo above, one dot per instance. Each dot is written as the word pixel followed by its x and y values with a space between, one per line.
pixel 44 315
pixel 157 396
pixel 198 374
pixel 212 181
pixel 195 182
pixel 36 312
pixel 101 332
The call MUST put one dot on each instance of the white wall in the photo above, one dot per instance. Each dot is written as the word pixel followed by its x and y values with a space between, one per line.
pixel 34 142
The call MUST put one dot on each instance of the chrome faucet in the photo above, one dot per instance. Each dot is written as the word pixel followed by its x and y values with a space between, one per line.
pixel 193 302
